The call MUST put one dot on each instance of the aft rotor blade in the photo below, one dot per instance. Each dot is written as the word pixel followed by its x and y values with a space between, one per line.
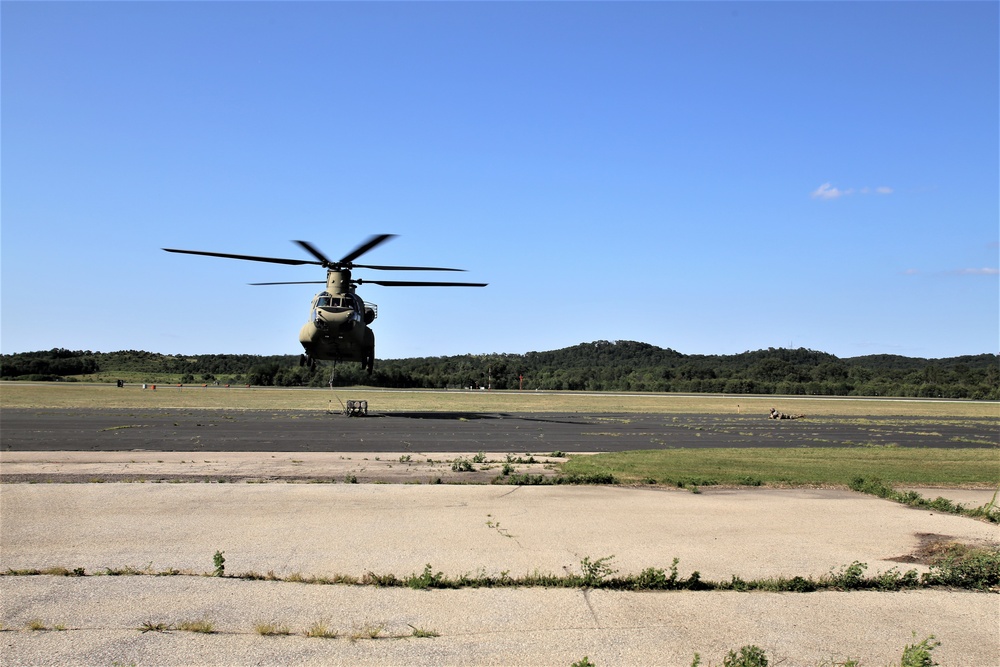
pixel 409 283
pixel 251 258
pixel 299 282
pixel 402 268
pixel 365 247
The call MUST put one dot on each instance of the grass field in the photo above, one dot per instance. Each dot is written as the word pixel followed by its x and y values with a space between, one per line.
pixel 78 395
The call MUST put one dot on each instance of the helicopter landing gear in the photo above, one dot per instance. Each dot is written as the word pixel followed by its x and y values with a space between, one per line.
pixel 368 363
pixel 307 361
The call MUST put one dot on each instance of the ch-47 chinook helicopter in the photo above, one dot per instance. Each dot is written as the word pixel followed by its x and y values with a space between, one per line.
pixel 338 329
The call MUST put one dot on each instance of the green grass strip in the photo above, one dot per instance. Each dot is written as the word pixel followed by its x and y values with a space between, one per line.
pixel 799 466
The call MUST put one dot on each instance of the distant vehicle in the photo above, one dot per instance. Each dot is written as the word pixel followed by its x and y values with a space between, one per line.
pixel 338 329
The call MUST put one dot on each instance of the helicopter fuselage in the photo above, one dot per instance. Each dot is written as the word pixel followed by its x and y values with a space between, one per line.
pixel 337 329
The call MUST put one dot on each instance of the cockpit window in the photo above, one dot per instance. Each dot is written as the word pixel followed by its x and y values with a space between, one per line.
pixel 327 301
pixel 330 301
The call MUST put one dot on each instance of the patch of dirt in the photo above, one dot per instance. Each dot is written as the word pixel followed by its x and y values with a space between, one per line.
pixel 933 546
pixel 930 544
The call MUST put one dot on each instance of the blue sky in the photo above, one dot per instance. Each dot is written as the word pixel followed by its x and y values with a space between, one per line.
pixel 709 177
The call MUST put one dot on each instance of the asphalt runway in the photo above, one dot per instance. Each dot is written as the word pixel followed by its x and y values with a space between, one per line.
pixel 181 430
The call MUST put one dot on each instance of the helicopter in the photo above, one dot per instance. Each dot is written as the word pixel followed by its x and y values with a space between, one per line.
pixel 338 327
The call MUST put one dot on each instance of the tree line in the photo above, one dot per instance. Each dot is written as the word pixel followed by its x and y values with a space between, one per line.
pixel 596 366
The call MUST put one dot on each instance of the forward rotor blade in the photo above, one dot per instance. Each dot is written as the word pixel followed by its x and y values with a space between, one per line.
pixel 409 283
pixel 299 282
pixel 314 251
pixel 365 247
pixel 251 258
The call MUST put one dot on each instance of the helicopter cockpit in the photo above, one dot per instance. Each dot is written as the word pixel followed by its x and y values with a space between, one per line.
pixel 337 303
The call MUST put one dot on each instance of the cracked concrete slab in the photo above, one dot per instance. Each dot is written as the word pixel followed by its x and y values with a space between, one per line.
pixel 322 529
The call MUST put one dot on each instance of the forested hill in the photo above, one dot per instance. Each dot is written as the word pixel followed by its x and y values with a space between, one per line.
pixel 597 366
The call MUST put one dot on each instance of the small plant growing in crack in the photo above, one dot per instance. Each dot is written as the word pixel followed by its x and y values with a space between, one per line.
pixel 267 629
pixel 495 525
pixel 150 626
pixel 202 626
pixel 422 633
pixel 368 630
pixel 594 572
pixel 321 630
pixel 220 564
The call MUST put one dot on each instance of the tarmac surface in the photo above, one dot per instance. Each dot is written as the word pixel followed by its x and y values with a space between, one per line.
pixel 325 530
pixel 41 429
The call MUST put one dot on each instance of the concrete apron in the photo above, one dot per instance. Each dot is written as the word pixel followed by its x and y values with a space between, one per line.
pixel 325 530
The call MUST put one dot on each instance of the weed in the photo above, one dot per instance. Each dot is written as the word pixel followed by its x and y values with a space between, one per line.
pixel 749 656
pixel 380 580
pixel 425 580
pixel 220 564
pixel 965 566
pixel 271 629
pixel 495 525
pixel 587 478
pixel 583 662
pixel 848 578
pixel 595 572
pixel 876 487
pixel 150 626
pixel 507 469
pixel 405 458
pixel 524 479
pixel 919 655
pixel 653 578
pixel 202 626
pixel 36 624
pixel 350 479
pixel 422 633
pixel 321 630
pixel 461 465
pixel 479 458
pixel 369 630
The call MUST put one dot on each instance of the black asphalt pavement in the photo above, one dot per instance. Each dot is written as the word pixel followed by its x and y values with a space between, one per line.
pixel 23 429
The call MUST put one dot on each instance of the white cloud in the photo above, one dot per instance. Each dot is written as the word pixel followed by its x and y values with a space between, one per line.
pixel 828 191
pixel 979 272
pixel 985 271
